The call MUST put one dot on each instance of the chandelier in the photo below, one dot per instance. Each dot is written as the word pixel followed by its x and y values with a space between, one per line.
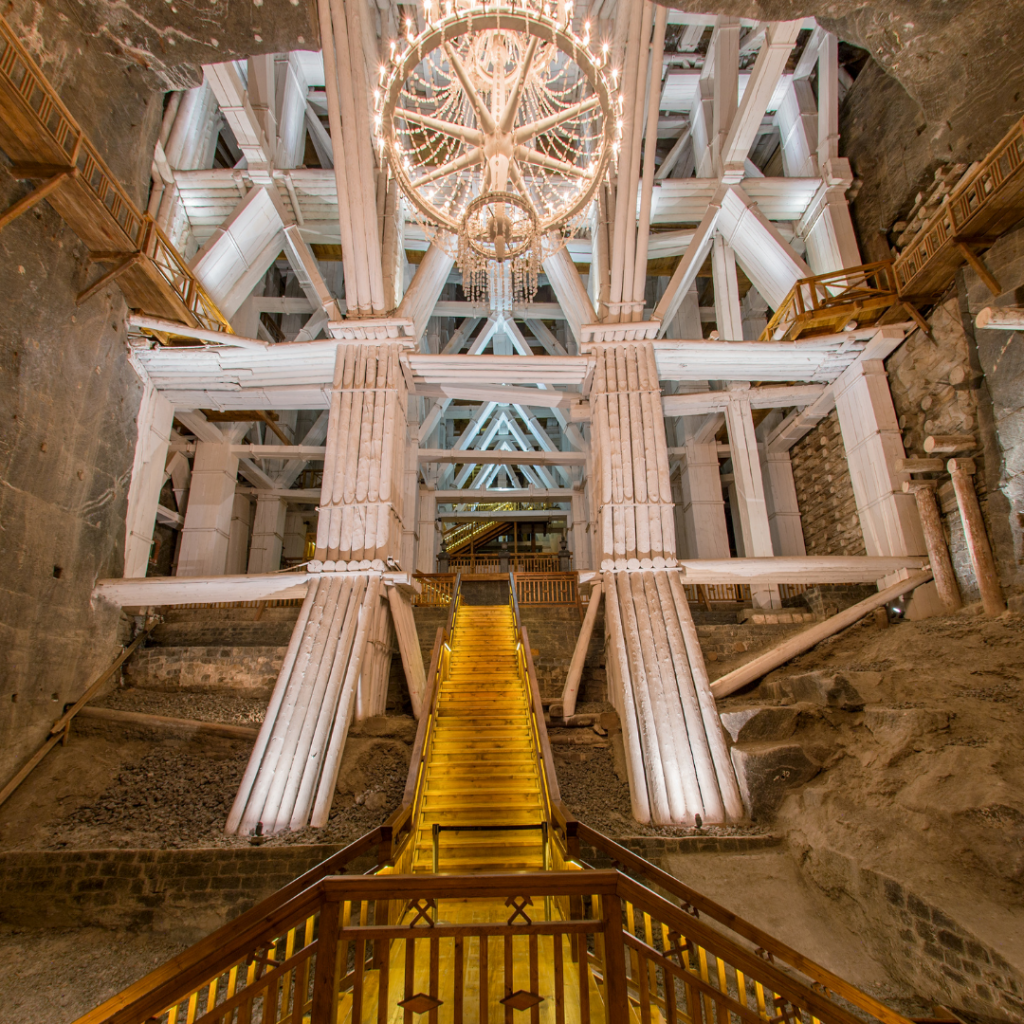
pixel 498 123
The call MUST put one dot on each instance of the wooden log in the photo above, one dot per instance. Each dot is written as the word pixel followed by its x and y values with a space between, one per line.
pixel 301 695
pixel 579 654
pixel 343 653
pixel 808 638
pixel 318 705
pixel 668 745
pixel 961 470
pixel 919 465
pixel 653 765
pixel 279 726
pixel 1009 318
pixel 181 727
pixel 693 804
pixel 724 772
pixel 343 717
pixel 707 778
pixel 409 648
pixel 935 539
pixel 639 794
pixel 267 728
pixel 337 144
pixel 947 444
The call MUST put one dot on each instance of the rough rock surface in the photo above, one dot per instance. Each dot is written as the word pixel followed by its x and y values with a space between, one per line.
pixel 171 41
pixel 913 827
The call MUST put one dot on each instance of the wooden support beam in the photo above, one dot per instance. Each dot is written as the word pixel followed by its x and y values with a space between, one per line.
pixel 37 195
pixel 962 470
pixel 451 456
pixel 935 539
pixel 808 638
pixel 409 648
pixel 948 444
pixel 975 263
pixel 919 466
pixel 109 277
pixel 579 654
pixel 807 569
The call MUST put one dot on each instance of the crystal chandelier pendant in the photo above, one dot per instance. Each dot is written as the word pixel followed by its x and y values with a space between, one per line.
pixel 498 123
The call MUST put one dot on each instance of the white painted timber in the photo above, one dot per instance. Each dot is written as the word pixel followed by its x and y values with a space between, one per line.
pixel 153 434
pixel 449 456
pixel 808 569
pixel 770 263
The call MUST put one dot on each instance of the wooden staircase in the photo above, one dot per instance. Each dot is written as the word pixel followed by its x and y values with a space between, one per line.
pixel 482 768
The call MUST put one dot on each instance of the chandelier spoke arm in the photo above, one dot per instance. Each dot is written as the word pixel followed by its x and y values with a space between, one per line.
pixel 487 122
pixel 532 156
pixel 508 115
pixel 460 163
pixel 470 136
pixel 545 124
pixel 517 179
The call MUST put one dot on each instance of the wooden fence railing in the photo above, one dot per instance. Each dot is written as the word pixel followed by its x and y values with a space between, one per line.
pixel 547 587
pixel 588 945
pixel 524 561
pixel 437 590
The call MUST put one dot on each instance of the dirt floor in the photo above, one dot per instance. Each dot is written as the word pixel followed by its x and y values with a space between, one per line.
pixel 204 707
pixel 100 793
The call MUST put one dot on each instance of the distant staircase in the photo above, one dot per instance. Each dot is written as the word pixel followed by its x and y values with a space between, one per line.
pixel 482 767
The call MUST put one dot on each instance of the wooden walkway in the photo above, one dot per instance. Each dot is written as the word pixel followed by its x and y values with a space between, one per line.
pixel 47 145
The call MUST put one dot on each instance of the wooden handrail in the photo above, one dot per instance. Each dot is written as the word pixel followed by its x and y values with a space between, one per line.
pixel 703 905
pixel 154 992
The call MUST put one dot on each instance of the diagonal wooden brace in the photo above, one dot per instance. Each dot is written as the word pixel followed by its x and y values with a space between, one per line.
pixel 110 275
pixel 35 196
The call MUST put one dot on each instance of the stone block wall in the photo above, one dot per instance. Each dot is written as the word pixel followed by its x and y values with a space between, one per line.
pixel 247 671
pixel 727 643
pixel 828 509
pixel 160 889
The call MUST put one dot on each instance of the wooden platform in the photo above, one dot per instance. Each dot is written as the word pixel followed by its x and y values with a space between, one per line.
pixel 46 145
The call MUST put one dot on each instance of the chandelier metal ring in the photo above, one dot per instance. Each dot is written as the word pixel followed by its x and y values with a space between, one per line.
pixel 496 145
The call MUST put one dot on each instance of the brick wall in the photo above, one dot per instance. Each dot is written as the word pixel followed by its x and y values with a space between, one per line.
pixel 163 889
pixel 824 492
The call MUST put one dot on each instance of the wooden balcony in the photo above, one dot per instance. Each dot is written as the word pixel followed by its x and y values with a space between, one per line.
pixel 46 144
pixel 828 303
pixel 987 201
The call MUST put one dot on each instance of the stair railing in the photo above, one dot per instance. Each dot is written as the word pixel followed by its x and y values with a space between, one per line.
pixel 360 948
pixel 403 822
pixel 562 823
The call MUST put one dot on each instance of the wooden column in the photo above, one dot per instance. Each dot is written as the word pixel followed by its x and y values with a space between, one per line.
pixel 780 493
pixel 204 537
pixel 582 558
pixel 154 430
pixel 238 535
pixel 426 542
pixel 962 471
pixel 267 535
pixel 873 442
pixel 704 533
pixel 752 508
pixel 935 538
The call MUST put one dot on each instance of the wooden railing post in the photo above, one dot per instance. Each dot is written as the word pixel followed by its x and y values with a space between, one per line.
pixel 615 993
pixel 325 987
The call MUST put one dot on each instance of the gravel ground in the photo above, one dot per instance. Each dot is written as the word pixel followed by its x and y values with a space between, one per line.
pixel 204 707
pixel 52 976
pixel 173 798
pixel 593 791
